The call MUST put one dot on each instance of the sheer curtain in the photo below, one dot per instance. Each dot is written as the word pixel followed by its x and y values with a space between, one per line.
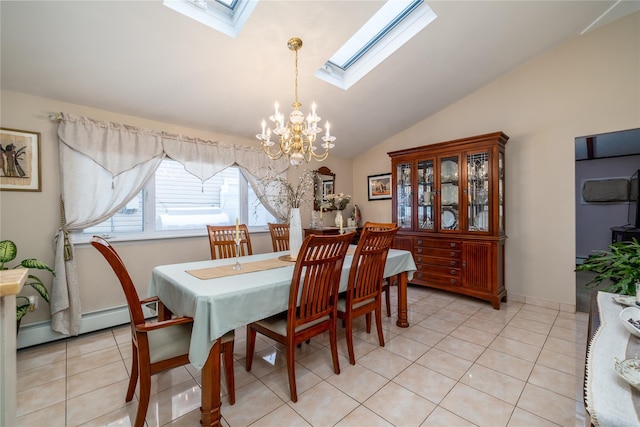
pixel 255 166
pixel 103 165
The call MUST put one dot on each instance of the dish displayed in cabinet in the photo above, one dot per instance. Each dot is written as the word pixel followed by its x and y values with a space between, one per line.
pixel 482 221
pixel 449 170
pixel 449 194
pixel 448 219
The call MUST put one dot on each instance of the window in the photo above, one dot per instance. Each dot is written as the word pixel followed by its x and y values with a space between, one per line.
pixel 395 23
pixel 175 201
pixel 226 16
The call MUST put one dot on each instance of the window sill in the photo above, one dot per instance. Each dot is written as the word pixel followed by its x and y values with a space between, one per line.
pixel 85 239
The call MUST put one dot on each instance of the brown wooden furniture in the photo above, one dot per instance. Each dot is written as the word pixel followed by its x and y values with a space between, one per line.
pixel 332 231
pixel 364 292
pixel 386 283
pixel 448 200
pixel 279 236
pixel 157 346
pixel 222 241
pixel 312 302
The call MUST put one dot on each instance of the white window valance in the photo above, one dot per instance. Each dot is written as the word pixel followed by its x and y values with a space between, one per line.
pixel 103 165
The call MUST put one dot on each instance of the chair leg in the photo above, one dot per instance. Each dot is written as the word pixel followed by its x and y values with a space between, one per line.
pixel 379 324
pixel 251 345
pixel 333 338
pixel 387 298
pixel 291 370
pixel 133 380
pixel 348 332
pixel 228 371
pixel 368 322
pixel 145 391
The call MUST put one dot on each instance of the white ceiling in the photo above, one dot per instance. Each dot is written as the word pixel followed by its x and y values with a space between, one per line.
pixel 143 59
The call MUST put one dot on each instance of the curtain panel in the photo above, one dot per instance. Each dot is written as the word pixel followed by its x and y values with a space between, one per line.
pixel 103 165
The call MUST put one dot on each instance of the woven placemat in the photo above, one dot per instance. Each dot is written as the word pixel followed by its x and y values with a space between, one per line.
pixel 248 267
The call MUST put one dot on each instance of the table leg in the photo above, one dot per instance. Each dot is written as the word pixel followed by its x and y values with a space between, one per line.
pixel 163 312
pixel 210 409
pixel 403 321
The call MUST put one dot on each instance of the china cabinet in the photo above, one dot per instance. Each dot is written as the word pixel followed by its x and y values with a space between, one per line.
pixel 448 200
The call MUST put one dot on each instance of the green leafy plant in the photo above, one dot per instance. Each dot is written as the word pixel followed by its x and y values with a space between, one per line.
pixel 621 265
pixel 8 252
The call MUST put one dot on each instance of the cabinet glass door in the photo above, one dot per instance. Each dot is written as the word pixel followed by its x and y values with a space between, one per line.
pixel 403 195
pixel 449 195
pixel 478 192
pixel 425 195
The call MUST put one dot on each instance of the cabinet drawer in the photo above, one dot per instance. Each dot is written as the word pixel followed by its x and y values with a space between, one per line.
pixel 437 243
pixel 438 253
pixel 440 271
pixel 443 262
pixel 430 277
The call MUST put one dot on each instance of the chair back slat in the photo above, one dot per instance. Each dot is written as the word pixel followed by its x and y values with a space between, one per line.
pixel 367 268
pixel 223 244
pixel 119 268
pixel 279 236
pixel 316 278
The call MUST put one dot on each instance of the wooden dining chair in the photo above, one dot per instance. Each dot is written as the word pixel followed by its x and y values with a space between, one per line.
pixel 312 302
pixel 279 236
pixel 364 292
pixel 386 283
pixel 160 345
pixel 223 244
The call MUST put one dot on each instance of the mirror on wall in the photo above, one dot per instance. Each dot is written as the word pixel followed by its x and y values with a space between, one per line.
pixel 325 183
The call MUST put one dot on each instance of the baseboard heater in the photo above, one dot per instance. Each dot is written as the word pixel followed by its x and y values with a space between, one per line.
pixel 41 332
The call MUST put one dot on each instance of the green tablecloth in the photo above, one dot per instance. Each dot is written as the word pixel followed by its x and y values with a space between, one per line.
pixel 223 304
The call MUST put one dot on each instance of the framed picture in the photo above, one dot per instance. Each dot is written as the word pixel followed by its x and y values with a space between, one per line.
pixel 19 160
pixel 379 186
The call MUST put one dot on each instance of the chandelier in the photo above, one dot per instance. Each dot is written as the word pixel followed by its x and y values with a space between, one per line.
pixel 296 137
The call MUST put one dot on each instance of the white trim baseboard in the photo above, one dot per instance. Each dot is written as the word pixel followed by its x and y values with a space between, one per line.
pixel 41 332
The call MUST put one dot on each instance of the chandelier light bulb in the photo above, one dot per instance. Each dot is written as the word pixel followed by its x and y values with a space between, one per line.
pixel 295 138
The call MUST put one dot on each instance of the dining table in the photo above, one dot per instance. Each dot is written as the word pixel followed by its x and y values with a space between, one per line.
pixel 220 299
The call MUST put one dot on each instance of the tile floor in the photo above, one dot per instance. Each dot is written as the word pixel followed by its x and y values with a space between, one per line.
pixel 460 363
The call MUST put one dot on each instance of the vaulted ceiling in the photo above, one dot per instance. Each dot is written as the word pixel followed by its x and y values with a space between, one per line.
pixel 143 59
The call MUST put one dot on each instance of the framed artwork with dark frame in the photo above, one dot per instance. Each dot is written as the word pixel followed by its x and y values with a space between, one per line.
pixel 20 160
pixel 379 186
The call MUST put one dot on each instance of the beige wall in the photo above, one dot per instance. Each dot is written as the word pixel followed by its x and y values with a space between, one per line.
pixel 32 219
pixel 587 86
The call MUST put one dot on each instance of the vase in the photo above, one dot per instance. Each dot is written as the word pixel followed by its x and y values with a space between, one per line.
pixel 338 218
pixel 295 232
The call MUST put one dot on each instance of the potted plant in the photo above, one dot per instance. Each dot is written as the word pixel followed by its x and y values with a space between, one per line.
pixel 8 252
pixel 621 265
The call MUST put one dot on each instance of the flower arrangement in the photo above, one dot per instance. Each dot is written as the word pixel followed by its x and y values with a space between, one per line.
pixel 339 200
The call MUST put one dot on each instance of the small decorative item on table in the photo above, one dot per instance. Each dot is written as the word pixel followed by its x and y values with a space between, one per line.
pixel 237 240
pixel 630 318
pixel 629 370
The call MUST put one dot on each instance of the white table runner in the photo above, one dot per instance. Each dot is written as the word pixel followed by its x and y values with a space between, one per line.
pixel 610 400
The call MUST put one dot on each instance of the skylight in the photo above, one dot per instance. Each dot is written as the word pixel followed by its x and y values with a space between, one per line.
pixel 395 23
pixel 226 16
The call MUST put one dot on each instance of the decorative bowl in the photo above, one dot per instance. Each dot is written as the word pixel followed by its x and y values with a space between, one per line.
pixel 629 370
pixel 630 318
